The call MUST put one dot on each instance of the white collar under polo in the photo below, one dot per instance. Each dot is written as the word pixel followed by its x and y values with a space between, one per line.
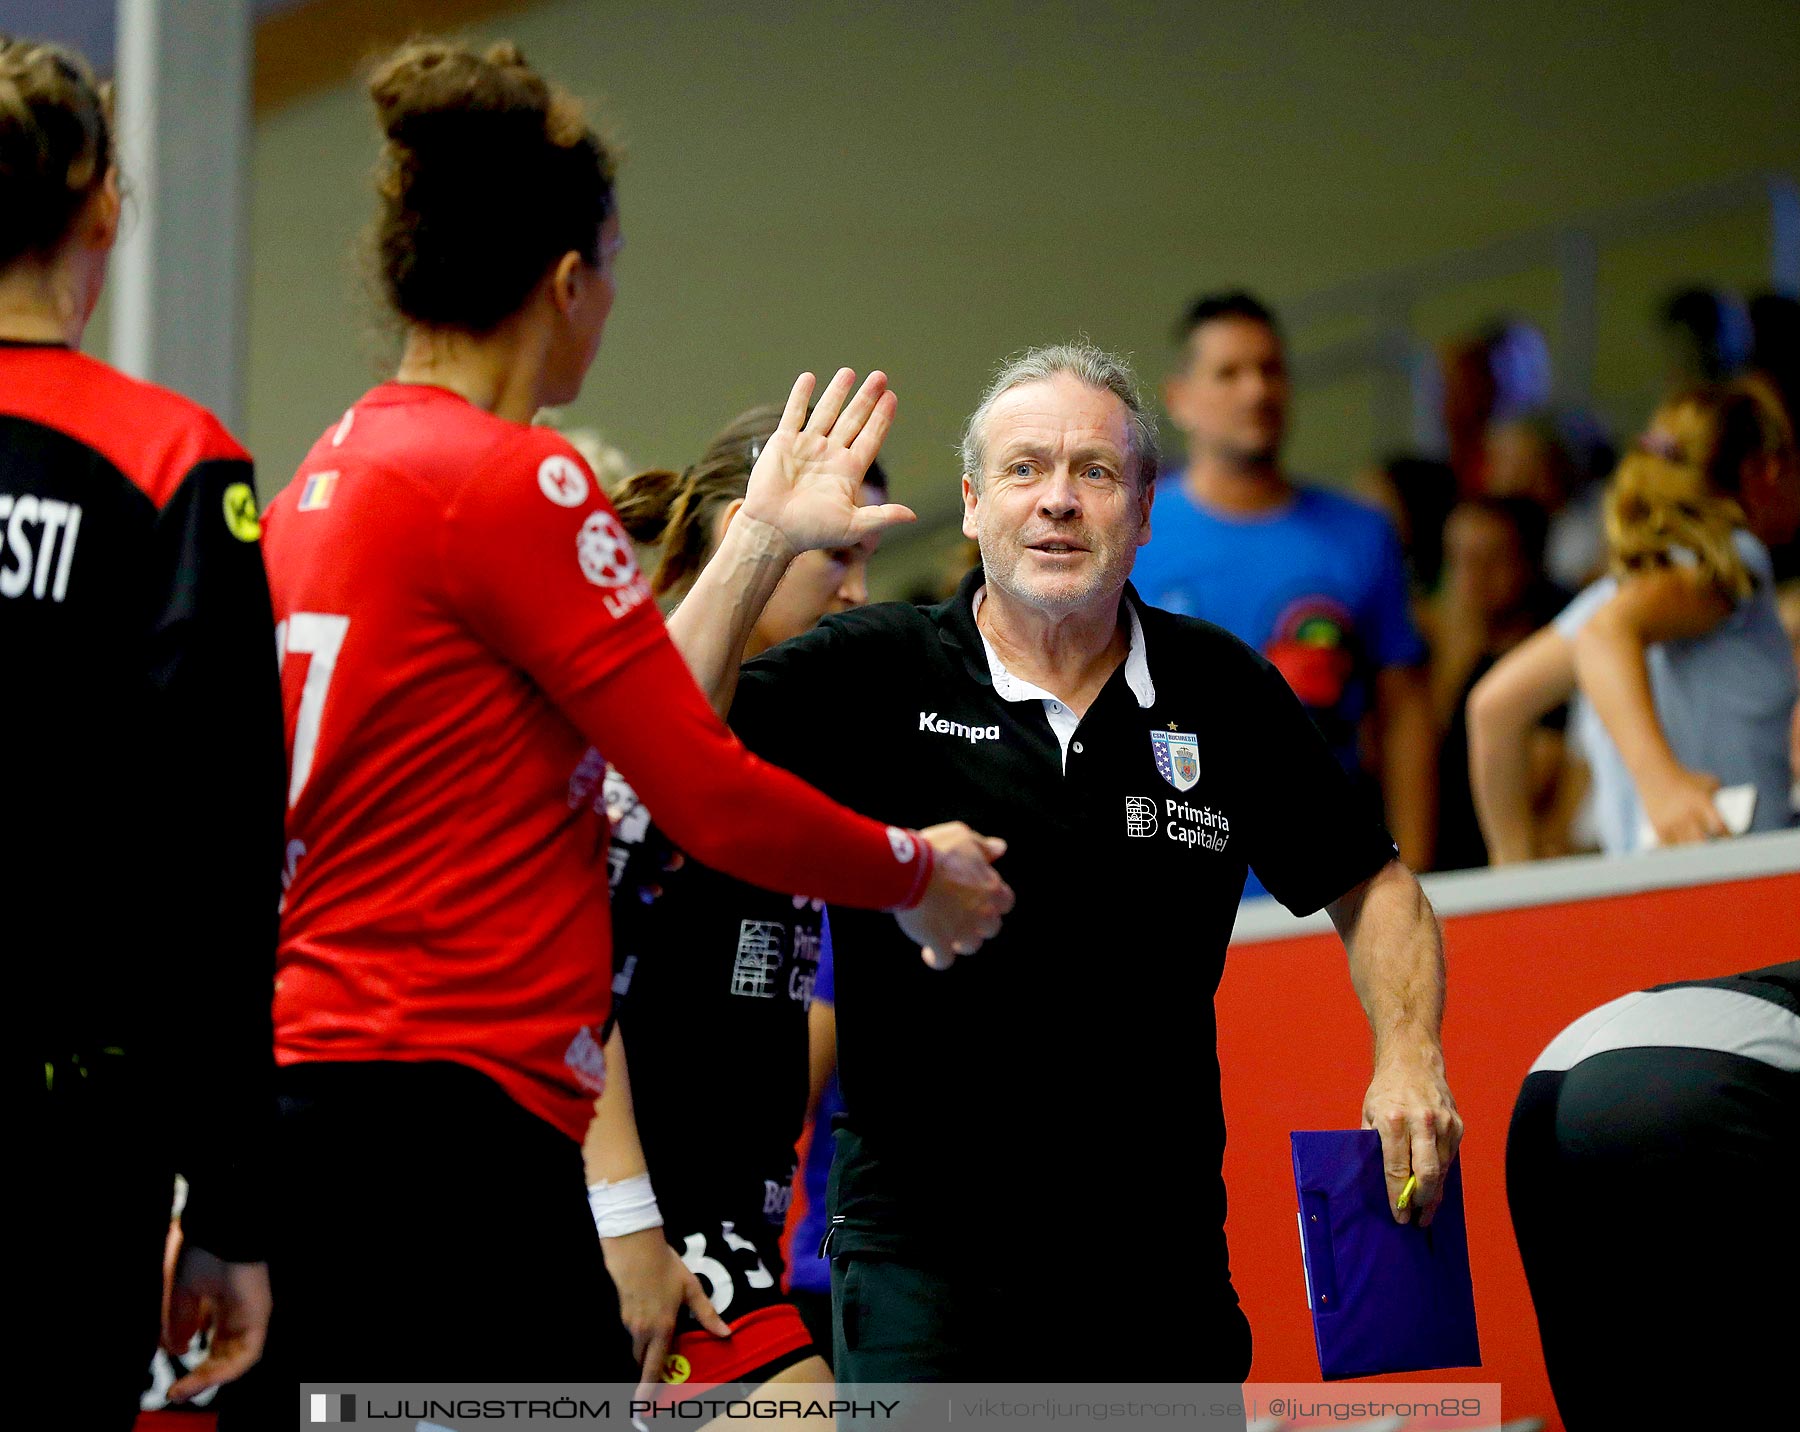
pixel 1062 720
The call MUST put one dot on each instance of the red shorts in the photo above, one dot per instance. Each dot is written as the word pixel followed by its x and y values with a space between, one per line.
pixel 761 1344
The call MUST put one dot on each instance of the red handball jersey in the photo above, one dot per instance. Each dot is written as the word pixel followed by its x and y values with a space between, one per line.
pixel 463 631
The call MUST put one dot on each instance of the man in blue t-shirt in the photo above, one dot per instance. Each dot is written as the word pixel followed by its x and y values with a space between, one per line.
pixel 1313 580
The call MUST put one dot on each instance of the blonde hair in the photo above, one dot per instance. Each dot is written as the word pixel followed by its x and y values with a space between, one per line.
pixel 1680 487
pixel 56 145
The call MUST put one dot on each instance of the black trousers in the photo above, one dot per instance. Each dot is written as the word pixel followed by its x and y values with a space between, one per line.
pixel 904 1321
pixel 89 1215
pixel 815 1312
pixel 431 1230
pixel 1653 1193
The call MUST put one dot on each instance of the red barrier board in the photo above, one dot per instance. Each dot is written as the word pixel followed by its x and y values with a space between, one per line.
pixel 1294 1047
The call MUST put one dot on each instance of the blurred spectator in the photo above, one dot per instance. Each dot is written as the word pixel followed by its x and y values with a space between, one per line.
pixel 1706 336
pixel 1557 459
pixel 1468 408
pixel 1498 374
pixel 1417 494
pixel 1494 596
pixel 1519 357
pixel 1312 579
pixel 1688 678
pixel 1787 605
pixel 1775 346
pixel 1775 357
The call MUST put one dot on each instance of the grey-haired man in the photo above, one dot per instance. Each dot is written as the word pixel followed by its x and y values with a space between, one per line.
pixel 1027 1179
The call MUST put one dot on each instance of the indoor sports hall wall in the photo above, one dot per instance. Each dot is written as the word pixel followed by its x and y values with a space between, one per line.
pixel 1529 949
pixel 930 186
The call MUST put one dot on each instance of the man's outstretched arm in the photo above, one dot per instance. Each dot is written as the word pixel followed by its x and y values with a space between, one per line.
pixel 1397 966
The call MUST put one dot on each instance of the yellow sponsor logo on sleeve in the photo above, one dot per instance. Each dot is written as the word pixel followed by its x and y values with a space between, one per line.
pixel 676 1368
pixel 240 512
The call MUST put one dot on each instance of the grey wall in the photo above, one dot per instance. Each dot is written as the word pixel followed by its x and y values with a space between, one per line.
pixel 926 187
pixel 88 25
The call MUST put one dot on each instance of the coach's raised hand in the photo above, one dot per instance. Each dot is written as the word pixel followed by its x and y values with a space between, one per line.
pixel 966 898
pixel 805 479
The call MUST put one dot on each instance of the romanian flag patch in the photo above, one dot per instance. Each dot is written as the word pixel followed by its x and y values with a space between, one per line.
pixel 317 492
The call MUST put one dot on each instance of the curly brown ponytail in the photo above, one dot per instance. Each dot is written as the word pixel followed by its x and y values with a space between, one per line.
pixel 56 145
pixel 489 175
pixel 643 501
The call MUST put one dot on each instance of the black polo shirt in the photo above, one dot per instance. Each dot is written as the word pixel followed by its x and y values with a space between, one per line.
pixel 1067 1072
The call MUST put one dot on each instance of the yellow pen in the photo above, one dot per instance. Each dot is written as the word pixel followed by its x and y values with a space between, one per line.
pixel 1406 1193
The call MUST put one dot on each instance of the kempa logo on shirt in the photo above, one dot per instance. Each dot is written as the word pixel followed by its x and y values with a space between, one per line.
pixel 929 721
pixel 561 479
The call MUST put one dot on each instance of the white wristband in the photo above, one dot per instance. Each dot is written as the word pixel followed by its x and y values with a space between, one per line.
pixel 625 1205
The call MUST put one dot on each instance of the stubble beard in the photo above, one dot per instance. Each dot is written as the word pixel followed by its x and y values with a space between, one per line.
pixel 1104 578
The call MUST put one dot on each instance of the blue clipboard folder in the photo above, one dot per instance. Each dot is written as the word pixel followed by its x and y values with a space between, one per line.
pixel 1385 1296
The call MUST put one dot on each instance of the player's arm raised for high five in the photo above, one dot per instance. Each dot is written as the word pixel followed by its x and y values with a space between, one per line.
pixel 801 496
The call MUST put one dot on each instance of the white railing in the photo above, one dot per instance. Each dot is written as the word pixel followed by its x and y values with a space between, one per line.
pixel 1566 880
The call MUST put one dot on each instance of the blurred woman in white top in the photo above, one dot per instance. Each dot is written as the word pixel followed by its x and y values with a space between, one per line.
pixel 1686 677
